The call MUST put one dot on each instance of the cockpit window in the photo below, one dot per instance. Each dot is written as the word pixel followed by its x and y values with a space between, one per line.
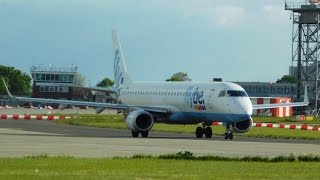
pixel 234 93
pixel 222 93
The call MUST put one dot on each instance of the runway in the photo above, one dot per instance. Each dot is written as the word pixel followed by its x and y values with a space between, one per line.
pixel 19 138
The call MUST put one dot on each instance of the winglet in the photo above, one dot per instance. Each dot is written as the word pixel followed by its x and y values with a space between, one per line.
pixel 7 89
pixel 305 97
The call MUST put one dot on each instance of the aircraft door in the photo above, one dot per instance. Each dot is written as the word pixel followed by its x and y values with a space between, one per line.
pixel 210 99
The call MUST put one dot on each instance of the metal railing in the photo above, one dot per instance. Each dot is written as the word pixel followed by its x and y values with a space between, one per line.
pixel 292 5
pixel 295 5
pixel 72 69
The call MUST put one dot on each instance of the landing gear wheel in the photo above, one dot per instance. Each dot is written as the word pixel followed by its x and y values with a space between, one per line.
pixel 228 135
pixel 145 134
pixel 208 132
pixel 135 134
pixel 199 132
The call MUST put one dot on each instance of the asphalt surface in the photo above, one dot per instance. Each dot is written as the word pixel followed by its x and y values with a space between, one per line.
pixel 20 138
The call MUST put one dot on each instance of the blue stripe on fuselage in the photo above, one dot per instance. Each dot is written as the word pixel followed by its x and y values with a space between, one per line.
pixel 195 117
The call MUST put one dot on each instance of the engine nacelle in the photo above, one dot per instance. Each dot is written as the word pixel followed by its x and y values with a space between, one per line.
pixel 242 126
pixel 139 121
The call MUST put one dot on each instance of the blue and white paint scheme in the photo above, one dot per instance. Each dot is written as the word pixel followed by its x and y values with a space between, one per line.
pixel 146 103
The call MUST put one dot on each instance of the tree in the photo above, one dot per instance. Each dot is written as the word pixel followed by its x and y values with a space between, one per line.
pixel 18 82
pixel 287 79
pixel 79 79
pixel 105 82
pixel 179 76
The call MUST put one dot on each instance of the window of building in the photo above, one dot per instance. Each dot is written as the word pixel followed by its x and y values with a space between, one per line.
pixel 56 77
pixel 47 77
pixel 254 89
pixel 51 77
pixel 40 77
pixel 42 89
pixel 280 90
pixel 71 77
pixel 60 89
pixel 259 89
pixel 273 90
pixel 60 78
pixel 52 89
pixel 65 89
pixel 65 78
pixel 286 90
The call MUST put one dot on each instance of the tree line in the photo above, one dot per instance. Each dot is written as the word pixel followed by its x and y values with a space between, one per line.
pixel 18 81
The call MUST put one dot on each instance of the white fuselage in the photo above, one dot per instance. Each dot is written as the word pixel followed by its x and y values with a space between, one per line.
pixel 191 102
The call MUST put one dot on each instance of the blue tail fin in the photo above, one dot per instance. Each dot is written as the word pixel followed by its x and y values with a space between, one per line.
pixel 120 72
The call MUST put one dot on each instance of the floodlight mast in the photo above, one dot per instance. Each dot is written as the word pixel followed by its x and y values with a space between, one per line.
pixel 305 48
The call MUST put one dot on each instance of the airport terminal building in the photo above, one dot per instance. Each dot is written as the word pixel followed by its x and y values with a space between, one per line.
pixel 267 89
pixel 271 93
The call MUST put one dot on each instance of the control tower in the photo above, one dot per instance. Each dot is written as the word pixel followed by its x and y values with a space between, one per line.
pixel 305 47
pixel 46 78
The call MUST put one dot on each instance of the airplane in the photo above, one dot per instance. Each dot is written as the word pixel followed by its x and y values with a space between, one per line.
pixel 146 103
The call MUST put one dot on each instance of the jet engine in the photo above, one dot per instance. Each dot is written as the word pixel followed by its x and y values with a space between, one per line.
pixel 139 121
pixel 242 126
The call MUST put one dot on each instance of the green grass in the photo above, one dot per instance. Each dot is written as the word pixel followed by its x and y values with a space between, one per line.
pixel 117 121
pixel 147 167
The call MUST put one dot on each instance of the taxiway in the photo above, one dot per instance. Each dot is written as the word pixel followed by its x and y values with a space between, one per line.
pixel 33 137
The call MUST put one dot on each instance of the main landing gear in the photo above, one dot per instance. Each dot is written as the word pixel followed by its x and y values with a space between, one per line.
pixel 228 134
pixel 206 130
pixel 143 134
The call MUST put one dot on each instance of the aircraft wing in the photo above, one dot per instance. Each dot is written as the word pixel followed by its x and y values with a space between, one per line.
pixel 268 106
pixel 100 106
pixel 107 90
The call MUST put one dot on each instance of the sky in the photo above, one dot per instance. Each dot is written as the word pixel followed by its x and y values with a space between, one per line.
pixel 237 40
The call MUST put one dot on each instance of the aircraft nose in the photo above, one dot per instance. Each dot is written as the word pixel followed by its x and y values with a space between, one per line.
pixel 248 109
pixel 245 107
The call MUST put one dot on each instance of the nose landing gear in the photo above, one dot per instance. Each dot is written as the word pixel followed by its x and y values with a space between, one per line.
pixel 206 130
pixel 143 134
pixel 228 134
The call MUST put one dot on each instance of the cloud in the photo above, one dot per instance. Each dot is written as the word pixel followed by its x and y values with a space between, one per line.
pixel 209 12
pixel 225 16
pixel 275 14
